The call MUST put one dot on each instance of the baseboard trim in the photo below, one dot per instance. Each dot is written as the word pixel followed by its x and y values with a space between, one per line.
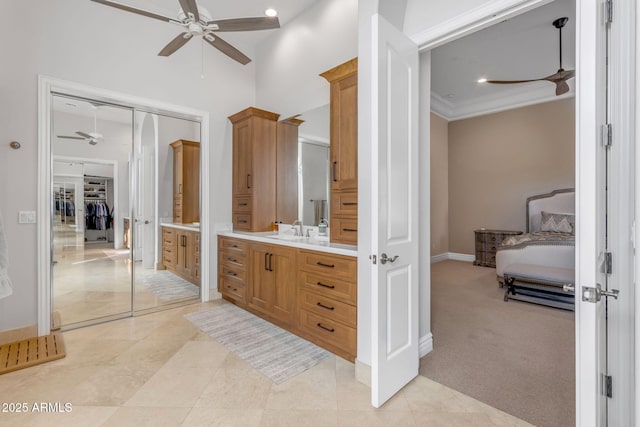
pixel 363 373
pixel 18 334
pixel 453 256
pixel 426 344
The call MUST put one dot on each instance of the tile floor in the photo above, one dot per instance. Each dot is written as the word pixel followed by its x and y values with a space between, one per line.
pixel 159 370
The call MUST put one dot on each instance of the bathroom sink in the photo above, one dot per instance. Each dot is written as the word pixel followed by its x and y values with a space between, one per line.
pixel 288 237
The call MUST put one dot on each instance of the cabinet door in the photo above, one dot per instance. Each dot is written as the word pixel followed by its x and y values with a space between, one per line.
pixel 177 171
pixel 344 134
pixel 189 254
pixel 242 159
pixel 261 280
pixel 282 263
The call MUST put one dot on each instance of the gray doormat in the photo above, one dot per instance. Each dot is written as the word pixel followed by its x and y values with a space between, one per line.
pixel 168 286
pixel 276 353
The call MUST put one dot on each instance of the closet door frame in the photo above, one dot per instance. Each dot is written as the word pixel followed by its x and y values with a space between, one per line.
pixel 47 88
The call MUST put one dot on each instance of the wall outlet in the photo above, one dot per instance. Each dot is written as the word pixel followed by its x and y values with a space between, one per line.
pixel 27 217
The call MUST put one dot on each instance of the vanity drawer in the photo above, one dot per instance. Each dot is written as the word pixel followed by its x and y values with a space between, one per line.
pixel 229 272
pixel 168 259
pixel 232 289
pixel 330 331
pixel 232 246
pixel 242 221
pixel 232 259
pixel 327 307
pixel 242 204
pixel 344 230
pixel 344 203
pixel 330 287
pixel 333 265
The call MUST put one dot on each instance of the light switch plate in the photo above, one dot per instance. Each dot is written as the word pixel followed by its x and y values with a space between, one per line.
pixel 27 217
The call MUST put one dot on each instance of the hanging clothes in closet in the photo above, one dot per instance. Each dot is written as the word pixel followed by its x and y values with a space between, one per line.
pixel 98 216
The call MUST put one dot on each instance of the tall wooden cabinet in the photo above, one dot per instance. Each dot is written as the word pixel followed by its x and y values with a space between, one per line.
pixel 343 152
pixel 186 181
pixel 254 169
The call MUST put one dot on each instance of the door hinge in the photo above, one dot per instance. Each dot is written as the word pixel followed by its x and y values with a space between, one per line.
pixel 608 11
pixel 607 385
pixel 607 135
pixel 608 263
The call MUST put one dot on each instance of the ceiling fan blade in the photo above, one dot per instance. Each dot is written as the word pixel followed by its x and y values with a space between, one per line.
pixel 175 44
pixel 70 137
pixel 84 135
pixel 247 24
pixel 508 82
pixel 135 10
pixel 190 7
pixel 227 49
pixel 561 87
pixel 561 75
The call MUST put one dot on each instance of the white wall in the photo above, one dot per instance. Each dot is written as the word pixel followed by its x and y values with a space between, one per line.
pixel 289 62
pixel 89 43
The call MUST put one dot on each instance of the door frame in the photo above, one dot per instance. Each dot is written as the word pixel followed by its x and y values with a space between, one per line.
pixel 47 86
pixel 587 13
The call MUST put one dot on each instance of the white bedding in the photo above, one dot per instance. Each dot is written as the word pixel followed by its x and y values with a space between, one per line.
pixel 553 253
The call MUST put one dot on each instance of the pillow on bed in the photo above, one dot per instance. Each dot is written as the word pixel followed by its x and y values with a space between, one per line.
pixel 560 223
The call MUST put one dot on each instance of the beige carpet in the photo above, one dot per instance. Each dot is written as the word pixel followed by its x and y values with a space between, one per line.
pixel 515 356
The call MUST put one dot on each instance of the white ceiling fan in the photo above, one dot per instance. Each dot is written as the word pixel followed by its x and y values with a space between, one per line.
pixel 197 21
pixel 92 137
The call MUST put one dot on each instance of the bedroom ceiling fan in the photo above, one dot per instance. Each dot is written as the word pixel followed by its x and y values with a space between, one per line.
pixel 559 78
pixel 92 137
pixel 197 21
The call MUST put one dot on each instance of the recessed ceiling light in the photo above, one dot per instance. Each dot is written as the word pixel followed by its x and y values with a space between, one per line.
pixel 482 80
pixel 271 12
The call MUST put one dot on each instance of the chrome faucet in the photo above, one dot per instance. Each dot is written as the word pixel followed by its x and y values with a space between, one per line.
pixel 297 226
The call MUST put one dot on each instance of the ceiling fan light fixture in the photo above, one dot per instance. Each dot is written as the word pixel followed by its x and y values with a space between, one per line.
pixel 482 80
pixel 271 12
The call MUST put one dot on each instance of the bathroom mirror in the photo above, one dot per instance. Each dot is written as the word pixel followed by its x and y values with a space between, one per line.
pixel 313 166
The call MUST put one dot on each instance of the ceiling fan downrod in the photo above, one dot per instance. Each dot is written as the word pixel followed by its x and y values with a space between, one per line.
pixel 559 23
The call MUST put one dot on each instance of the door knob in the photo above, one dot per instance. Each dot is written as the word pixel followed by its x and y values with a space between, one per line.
pixel 384 258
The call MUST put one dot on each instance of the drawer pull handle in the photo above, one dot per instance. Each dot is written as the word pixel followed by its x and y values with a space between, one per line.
pixel 320 325
pixel 231 273
pixel 242 221
pixel 233 289
pixel 349 203
pixel 233 246
pixel 242 204
pixel 321 264
pixel 325 286
pixel 232 259
pixel 350 229
pixel 319 304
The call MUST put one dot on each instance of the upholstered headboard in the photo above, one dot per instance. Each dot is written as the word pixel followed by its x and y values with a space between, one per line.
pixel 558 201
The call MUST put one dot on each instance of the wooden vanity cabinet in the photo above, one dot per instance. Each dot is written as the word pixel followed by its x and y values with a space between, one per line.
pixel 271 287
pixel 181 253
pixel 254 169
pixel 310 293
pixel 343 151
pixel 186 181
pixel 327 301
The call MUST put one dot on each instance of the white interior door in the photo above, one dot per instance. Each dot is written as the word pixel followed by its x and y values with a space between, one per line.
pixel 591 214
pixel 394 212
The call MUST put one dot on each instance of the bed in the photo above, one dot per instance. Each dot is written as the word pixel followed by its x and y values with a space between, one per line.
pixel 539 245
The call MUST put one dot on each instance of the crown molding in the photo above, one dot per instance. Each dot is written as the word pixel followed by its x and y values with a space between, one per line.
pixel 494 103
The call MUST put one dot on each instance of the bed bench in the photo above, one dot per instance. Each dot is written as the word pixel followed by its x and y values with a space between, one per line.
pixel 540 284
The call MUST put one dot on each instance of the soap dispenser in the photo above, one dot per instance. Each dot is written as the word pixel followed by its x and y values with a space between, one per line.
pixel 322 227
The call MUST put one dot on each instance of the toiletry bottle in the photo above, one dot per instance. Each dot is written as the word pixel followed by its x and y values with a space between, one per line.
pixel 322 227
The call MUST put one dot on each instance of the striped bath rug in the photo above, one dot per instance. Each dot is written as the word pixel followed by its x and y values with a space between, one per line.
pixel 169 287
pixel 277 354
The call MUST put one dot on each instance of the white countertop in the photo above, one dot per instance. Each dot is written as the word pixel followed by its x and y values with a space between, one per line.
pixel 311 243
pixel 191 227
